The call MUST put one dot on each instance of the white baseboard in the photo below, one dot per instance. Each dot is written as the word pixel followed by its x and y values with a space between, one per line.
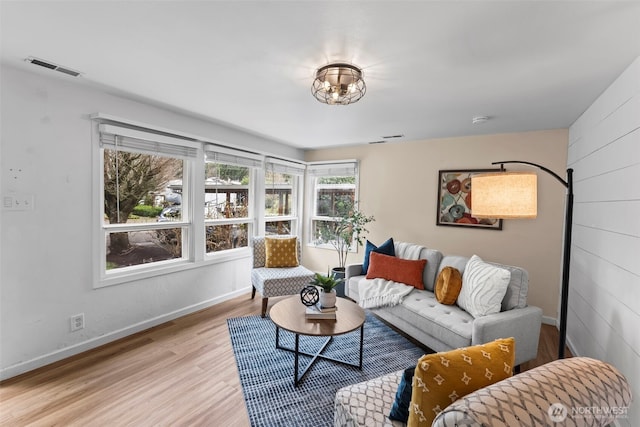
pixel 55 356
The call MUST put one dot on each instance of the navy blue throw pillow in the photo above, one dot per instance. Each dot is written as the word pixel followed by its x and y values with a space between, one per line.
pixel 387 248
pixel 400 408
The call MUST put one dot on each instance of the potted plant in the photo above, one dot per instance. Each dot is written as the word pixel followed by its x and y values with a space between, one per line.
pixel 349 227
pixel 327 286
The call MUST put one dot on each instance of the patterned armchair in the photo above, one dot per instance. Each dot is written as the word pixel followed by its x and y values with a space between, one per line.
pixel 577 391
pixel 273 282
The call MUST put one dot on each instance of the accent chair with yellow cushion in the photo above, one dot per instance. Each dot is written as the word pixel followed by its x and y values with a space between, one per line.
pixel 276 268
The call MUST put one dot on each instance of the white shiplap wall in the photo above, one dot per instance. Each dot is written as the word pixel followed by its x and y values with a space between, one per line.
pixel 604 298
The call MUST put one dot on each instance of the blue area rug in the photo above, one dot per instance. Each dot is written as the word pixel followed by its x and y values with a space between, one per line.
pixel 266 374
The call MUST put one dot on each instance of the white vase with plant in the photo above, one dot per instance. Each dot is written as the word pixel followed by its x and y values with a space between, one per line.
pixel 327 286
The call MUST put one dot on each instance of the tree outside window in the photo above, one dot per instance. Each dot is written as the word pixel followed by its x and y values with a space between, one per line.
pixel 136 190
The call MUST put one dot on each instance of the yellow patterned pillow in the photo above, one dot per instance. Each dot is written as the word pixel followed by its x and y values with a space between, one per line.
pixel 281 252
pixel 442 378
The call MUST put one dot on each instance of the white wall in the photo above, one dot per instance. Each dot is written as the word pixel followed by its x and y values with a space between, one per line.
pixel 604 296
pixel 45 254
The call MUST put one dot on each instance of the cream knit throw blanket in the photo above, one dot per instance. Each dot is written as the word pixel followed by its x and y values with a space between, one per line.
pixel 385 293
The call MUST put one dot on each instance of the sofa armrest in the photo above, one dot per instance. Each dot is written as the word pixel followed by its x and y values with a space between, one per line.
pixel 353 270
pixel 523 324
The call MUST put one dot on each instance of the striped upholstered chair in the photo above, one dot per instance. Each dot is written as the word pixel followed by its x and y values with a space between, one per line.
pixel 276 281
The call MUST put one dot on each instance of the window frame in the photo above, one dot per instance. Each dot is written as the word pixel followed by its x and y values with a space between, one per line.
pixel 167 146
pixel 315 171
pixel 223 155
pixel 297 173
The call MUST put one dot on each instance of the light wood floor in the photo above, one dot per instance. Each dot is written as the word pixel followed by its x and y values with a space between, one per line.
pixel 181 373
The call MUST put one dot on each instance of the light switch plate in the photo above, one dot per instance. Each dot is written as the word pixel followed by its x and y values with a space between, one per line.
pixel 17 202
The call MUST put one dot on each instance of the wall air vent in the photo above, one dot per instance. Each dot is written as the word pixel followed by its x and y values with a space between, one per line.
pixel 393 136
pixel 52 66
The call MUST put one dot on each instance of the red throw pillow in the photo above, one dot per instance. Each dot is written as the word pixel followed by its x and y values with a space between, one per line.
pixel 400 270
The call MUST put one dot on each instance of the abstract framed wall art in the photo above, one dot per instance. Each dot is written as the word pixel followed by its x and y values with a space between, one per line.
pixel 454 200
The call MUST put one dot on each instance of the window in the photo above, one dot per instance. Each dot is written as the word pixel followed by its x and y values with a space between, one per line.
pixel 333 186
pixel 229 197
pixel 167 202
pixel 282 198
pixel 145 182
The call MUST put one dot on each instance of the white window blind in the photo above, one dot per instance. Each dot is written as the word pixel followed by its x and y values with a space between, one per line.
pixel 230 156
pixel 284 166
pixel 333 169
pixel 119 138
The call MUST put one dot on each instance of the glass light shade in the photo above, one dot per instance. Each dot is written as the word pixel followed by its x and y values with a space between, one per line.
pixel 338 84
pixel 504 195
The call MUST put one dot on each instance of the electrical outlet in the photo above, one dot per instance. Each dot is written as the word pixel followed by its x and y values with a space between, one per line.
pixel 77 322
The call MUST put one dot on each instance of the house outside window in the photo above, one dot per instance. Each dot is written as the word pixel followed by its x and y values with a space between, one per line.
pixel 282 185
pixel 229 183
pixel 334 188
pixel 146 220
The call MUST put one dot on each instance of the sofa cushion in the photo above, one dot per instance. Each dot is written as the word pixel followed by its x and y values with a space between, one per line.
pixel 448 285
pixel 433 257
pixel 281 252
pixel 456 261
pixel 447 323
pixel 516 295
pixel 408 272
pixel 483 287
pixel 272 282
pixel 442 378
pixel 420 310
pixel 387 248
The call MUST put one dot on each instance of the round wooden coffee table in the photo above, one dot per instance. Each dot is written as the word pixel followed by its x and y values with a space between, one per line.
pixel 289 314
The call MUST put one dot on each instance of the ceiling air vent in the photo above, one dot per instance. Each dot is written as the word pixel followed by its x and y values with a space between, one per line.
pixel 52 66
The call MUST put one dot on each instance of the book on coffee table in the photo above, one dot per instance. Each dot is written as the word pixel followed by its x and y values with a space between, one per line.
pixel 318 312
pixel 326 309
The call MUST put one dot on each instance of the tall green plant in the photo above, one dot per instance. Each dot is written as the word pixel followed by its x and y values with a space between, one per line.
pixel 348 227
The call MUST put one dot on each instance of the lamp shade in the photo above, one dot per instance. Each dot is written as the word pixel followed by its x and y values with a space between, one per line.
pixel 504 195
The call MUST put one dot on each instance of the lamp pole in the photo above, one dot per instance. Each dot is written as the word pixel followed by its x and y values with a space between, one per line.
pixel 566 254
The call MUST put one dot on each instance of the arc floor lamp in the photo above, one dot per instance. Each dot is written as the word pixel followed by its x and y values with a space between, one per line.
pixel 514 195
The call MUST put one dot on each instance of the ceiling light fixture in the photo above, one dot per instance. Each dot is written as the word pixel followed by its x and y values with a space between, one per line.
pixel 338 84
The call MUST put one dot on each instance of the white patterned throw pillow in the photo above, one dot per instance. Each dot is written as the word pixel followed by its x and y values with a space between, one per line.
pixel 483 287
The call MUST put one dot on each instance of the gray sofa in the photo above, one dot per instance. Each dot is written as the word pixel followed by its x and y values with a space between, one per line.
pixel 446 327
